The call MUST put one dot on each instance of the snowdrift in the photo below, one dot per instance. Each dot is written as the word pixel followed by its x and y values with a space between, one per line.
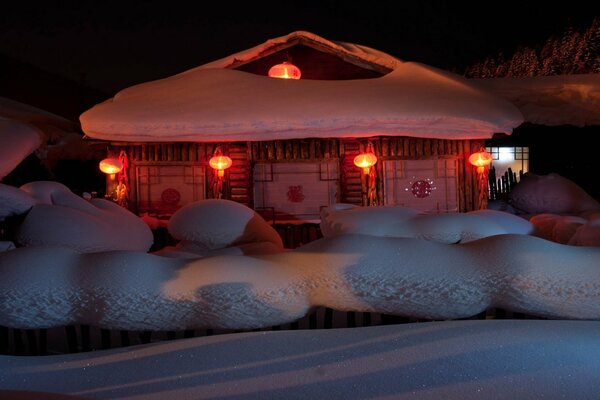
pixel 58 217
pixel 46 287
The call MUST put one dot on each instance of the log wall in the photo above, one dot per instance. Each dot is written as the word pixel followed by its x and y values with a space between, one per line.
pixel 238 179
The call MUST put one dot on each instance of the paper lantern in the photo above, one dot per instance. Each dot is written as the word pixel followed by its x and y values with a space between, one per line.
pixel 220 163
pixel 285 70
pixel 481 159
pixel 365 160
pixel 111 166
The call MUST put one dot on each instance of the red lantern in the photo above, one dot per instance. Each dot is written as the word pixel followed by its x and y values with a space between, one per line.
pixel 285 70
pixel 219 162
pixel 481 159
pixel 111 166
pixel 366 160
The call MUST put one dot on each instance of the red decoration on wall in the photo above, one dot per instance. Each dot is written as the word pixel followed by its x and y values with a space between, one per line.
pixel 170 196
pixel 421 188
pixel 295 194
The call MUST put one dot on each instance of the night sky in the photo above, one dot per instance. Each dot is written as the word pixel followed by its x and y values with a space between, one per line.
pixel 111 45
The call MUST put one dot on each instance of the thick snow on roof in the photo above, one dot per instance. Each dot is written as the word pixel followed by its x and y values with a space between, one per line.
pixel 219 104
pixel 452 360
pixel 551 100
pixel 349 49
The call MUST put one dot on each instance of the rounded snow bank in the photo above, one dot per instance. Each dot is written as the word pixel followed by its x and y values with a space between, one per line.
pixel 17 141
pixel 215 224
pixel 48 287
pixel 552 193
pixel 14 201
pixel 64 219
pixel 390 221
pixel 376 221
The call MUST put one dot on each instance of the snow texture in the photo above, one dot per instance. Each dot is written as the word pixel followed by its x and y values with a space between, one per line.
pixel 6 245
pixel 551 100
pixel 407 222
pixel 50 287
pixel 216 223
pixel 553 194
pixel 61 218
pixel 452 360
pixel 14 201
pixel 212 103
pixel 17 141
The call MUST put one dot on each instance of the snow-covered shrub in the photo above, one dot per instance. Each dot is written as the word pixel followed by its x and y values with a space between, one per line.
pixel 215 224
pixel 64 219
pixel 552 193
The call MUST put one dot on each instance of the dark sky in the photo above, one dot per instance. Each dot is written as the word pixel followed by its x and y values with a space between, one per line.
pixel 111 45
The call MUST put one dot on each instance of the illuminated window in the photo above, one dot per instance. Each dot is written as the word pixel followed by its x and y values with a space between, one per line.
pixel 515 158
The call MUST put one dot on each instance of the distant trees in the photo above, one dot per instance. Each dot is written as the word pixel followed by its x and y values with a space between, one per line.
pixel 573 53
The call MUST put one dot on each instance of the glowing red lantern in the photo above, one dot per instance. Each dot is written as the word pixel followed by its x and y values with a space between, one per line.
pixel 285 70
pixel 111 166
pixel 481 159
pixel 366 160
pixel 220 163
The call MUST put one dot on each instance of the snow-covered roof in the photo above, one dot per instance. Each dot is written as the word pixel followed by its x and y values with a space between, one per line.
pixel 551 100
pixel 214 103
pixel 350 50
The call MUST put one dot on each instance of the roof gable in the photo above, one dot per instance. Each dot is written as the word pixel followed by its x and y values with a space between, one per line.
pixel 361 57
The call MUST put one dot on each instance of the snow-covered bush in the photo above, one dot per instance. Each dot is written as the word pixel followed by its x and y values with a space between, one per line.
pixel 215 224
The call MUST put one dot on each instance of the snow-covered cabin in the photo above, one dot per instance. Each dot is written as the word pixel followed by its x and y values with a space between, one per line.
pixel 293 142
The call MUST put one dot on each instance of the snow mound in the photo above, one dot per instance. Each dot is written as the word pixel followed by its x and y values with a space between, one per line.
pixel 390 221
pixel 558 228
pixel 46 287
pixel 6 245
pixel 62 218
pixel 215 224
pixel 14 201
pixel 587 234
pixel 509 222
pixel 347 218
pixel 552 193
pixel 17 141
pixel 447 228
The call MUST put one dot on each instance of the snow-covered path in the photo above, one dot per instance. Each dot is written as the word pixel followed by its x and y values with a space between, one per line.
pixel 495 359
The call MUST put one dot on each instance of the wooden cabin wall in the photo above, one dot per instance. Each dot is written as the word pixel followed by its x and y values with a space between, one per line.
pixel 390 148
pixel 353 188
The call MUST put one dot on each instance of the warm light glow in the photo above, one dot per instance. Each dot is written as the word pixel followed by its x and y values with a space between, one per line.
pixel 506 154
pixel 111 166
pixel 481 159
pixel 285 71
pixel 365 161
pixel 220 163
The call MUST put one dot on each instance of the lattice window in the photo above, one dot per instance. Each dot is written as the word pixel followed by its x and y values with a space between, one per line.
pixel 515 158
pixel 294 192
pixel 163 189
pixel 427 185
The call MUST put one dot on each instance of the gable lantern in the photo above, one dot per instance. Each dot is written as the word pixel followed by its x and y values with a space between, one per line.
pixel 285 70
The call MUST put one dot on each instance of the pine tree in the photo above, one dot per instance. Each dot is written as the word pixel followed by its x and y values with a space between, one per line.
pixel 573 53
